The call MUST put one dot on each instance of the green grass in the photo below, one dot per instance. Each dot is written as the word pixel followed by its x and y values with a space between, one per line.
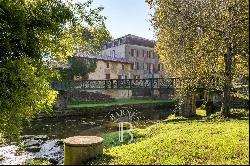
pixel 182 141
pixel 112 139
pixel 120 102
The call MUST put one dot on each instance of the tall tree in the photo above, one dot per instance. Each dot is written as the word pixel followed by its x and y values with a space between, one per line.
pixel 203 40
pixel 34 33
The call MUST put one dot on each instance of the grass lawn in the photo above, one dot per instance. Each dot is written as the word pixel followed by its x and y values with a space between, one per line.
pixel 181 141
pixel 118 102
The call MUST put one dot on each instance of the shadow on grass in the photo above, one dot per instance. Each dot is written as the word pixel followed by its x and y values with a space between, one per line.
pixel 104 158
pixel 185 119
pixel 213 117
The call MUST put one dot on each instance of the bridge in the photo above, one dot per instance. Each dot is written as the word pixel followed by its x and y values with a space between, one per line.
pixel 119 84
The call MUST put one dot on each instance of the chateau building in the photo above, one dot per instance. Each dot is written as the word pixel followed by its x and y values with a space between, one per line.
pixel 139 52
pixel 128 57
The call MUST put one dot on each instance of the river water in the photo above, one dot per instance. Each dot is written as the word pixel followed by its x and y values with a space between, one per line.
pixel 43 138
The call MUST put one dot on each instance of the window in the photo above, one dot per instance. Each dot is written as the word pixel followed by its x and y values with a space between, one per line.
pixel 143 52
pixel 156 56
pixel 151 68
pixel 119 41
pixel 126 77
pixel 136 76
pixel 149 54
pixel 119 77
pixel 137 65
pixel 132 52
pixel 159 67
pixel 107 76
pixel 132 66
pixel 148 67
pixel 107 64
pixel 137 53
pixel 123 66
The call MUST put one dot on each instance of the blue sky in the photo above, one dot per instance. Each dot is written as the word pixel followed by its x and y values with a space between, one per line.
pixel 126 17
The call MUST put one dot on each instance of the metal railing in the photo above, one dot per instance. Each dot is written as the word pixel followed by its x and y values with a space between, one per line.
pixel 152 83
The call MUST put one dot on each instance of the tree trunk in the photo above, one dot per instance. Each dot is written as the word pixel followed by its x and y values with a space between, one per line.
pixel 187 105
pixel 225 108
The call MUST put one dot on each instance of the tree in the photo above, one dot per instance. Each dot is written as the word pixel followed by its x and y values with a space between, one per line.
pixel 32 35
pixel 78 67
pixel 204 40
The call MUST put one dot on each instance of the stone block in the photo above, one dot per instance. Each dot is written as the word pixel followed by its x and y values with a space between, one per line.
pixel 80 149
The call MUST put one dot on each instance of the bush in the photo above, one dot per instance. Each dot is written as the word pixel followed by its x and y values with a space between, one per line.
pixel 239 113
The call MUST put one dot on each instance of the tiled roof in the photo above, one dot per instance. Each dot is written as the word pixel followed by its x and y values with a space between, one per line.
pixel 103 57
pixel 129 39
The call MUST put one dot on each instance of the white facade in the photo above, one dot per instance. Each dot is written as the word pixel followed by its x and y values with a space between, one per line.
pixel 117 52
pixel 140 52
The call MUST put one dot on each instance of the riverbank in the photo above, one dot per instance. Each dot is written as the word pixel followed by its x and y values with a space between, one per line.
pixel 99 109
pixel 178 140
pixel 117 102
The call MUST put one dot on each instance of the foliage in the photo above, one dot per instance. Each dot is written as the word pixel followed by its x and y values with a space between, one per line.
pixel 25 92
pixel 186 142
pixel 78 67
pixel 37 162
pixel 50 28
pixel 33 34
pixel 206 41
pixel 239 113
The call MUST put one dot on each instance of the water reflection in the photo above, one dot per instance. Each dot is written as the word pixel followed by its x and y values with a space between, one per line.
pixel 61 128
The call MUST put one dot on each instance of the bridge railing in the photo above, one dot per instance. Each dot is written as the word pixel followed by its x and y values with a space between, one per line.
pixel 152 83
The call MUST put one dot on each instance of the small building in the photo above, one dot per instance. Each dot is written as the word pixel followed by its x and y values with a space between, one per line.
pixel 108 67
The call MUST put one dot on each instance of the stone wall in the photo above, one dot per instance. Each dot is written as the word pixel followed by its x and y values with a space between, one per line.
pixel 115 69
pixel 64 97
pixel 154 93
pixel 101 112
pixel 136 93
pixel 114 93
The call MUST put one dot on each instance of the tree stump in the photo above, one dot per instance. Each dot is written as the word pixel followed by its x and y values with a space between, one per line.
pixel 79 149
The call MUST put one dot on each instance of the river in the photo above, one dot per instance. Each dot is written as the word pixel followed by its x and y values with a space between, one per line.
pixel 43 138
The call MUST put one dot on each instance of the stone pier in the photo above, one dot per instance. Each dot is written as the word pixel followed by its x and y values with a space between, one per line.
pixel 79 149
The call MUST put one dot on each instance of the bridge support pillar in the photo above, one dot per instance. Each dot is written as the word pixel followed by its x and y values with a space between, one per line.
pixel 155 92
